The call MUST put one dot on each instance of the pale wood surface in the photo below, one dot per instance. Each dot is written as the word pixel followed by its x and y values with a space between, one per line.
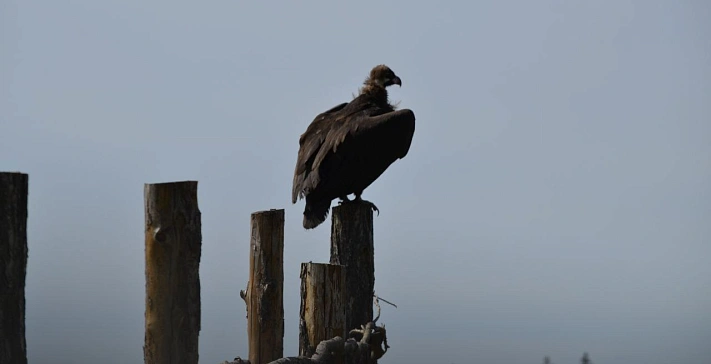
pixel 264 296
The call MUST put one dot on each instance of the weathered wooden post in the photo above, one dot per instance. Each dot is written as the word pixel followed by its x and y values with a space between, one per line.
pixel 322 314
pixel 352 247
pixel 13 267
pixel 173 248
pixel 265 289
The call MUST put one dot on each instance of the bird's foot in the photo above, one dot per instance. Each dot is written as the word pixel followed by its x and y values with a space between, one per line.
pixel 370 204
pixel 344 199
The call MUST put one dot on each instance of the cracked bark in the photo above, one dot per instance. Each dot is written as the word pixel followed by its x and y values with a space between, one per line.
pixel 173 247
pixel 264 296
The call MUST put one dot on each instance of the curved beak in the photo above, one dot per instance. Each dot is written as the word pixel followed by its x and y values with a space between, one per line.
pixel 397 81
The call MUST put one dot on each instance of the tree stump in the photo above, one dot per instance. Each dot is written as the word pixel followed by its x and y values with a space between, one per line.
pixel 173 248
pixel 352 247
pixel 322 314
pixel 13 267
pixel 265 289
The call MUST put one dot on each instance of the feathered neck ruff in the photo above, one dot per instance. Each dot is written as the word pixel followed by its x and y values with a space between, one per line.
pixel 376 92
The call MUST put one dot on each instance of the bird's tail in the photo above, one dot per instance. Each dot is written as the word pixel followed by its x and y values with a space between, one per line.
pixel 315 213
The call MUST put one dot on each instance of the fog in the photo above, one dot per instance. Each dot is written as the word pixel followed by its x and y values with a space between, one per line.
pixel 555 199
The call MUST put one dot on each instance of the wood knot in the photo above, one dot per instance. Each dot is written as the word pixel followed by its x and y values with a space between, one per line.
pixel 159 235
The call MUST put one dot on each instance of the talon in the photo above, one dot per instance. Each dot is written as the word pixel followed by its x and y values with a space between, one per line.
pixel 372 205
pixel 375 208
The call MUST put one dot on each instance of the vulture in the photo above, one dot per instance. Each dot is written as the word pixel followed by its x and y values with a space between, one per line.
pixel 349 146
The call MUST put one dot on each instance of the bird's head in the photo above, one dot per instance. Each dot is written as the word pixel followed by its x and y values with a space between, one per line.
pixel 383 76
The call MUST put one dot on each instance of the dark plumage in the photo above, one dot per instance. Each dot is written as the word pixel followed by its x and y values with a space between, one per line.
pixel 346 148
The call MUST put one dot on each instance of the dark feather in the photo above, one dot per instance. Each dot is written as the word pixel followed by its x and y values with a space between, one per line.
pixel 348 147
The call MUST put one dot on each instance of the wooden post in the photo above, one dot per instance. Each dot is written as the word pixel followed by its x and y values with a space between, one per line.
pixel 173 248
pixel 265 289
pixel 352 247
pixel 13 266
pixel 322 315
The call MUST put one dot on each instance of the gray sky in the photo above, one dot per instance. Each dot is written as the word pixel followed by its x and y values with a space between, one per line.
pixel 555 199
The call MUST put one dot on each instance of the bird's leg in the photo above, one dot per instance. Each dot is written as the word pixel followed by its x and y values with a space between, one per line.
pixel 372 205
pixel 344 199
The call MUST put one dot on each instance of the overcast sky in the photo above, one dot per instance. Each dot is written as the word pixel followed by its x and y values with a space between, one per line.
pixel 555 199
